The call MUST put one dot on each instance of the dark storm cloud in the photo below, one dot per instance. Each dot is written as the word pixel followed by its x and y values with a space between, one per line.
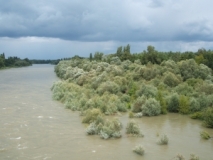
pixel 127 20
pixel 54 29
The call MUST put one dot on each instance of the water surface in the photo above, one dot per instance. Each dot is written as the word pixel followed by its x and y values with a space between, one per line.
pixel 33 126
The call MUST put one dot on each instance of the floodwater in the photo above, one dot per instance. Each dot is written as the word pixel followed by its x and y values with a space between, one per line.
pixel 34 127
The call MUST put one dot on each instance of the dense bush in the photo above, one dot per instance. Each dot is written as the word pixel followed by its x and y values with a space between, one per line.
pixel 208 117
pixel 118 85
pixel 151 107
pixel 139 150
pixel 173 103
pixel 137 105
pixel 205 135
pixel 133 128
pixel 163 140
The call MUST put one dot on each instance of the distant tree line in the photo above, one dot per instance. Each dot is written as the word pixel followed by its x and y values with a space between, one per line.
pixel 202 56
pixel 54 62
pixel 43 61
pixel 13 61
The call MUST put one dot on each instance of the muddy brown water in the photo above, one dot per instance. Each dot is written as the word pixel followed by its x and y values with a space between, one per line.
pixel 35 127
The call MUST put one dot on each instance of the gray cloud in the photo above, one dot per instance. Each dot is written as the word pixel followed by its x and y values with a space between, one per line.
pixel 128 20
pixel 103 22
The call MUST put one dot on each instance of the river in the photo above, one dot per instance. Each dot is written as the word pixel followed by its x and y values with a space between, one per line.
pixel 35 127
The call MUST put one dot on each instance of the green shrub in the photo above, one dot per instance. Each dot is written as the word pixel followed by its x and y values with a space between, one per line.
pixel 163 140
pixel 205 135
pixel 194 105
pixel 171 79
pixel 162 102
pixel 139 150
pixel 179 157
pixel 147 90
pixel 208 117
pixel 111 129
pixel 138 115
pixel 108 86
pixel 204 101
pixel 184 89
pixel 193 157
pixel 197 115
pixel 133 128
pixel 184 104
pixel 151 107
pixel 131 114
pixel 92 115
pixel 137 105
pixel 173 103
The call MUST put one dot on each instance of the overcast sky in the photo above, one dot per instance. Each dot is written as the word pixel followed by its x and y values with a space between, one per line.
pixel 52 29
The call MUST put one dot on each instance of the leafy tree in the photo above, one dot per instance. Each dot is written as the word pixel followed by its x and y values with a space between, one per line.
pixel 173 103
pixel 184 104
pixel 90 57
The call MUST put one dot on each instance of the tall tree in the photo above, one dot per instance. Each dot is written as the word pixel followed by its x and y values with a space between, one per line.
pixel 90 57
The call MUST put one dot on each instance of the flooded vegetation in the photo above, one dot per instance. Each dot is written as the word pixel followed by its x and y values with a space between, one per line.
pixel 108 88
pixel 34 126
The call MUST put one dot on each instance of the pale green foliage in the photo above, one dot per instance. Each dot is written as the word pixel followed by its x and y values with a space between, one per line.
pixel 206 88
pixel 151 107
pixel 139 150
pixel 204 135
pixel 131 114
pixel 208 117
pixel 111 129
pixel 108 86
pixel 114 86
pixel 149 72
pixel 163 140
pixel 184 89
pixel 147 90
pixel 171 79
pixel 138 115
pixel 115 60
pixel 137 62
pixel 170 66
pixel 184 104
pixel 162 102
pixel 173 103
pixel 133 128
pixel 137 105
pixel 194 105
pixel 190 69
pixel 92 115
pixel 105 128
pixel 194 157
pixel 179 157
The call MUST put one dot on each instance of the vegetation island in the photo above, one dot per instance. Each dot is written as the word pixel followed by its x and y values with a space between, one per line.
pixel 143 84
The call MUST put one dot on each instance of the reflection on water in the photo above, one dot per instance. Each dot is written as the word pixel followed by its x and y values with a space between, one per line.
pixel 33 126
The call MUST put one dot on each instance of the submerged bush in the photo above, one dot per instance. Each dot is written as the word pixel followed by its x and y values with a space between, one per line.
pixel 139 150
pixel 133 128
pixel 111 129
pixel 179 157
pixel 204 135
pixel 163 140
pixel 92 115
pixel 208 117
pixel 105 128
pixel 193 157
pixel 151 107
